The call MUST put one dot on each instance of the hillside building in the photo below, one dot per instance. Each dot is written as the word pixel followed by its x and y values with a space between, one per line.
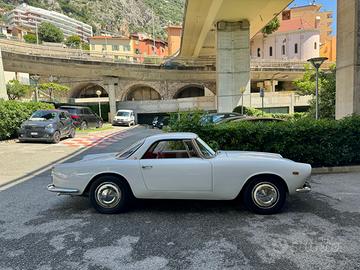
pixel 146 47
pixel 108 46
pixel 29 17
pixel 174 38
pixel 294 40
pixel 317 19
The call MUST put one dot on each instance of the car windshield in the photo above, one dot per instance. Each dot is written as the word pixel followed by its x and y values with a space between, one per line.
pixel 125 114
pixel 131 150
pixel 70 110
pixel 205 149
pixel 42 116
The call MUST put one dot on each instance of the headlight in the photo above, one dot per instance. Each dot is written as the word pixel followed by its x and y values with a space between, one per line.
pixel 49 126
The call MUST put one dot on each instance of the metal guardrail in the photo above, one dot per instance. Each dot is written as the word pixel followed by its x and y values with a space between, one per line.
pixel 128 58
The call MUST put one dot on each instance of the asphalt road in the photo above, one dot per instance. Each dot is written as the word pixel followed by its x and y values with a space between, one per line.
pixel 39 230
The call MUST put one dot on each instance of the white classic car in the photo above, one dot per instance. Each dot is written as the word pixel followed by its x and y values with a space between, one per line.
pixel 181 166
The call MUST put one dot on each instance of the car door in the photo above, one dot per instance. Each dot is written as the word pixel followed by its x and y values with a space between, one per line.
pixel 63 124
pixel 92 119
pixel 174 165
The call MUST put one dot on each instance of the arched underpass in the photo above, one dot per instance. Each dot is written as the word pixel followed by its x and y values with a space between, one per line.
pixel 142 92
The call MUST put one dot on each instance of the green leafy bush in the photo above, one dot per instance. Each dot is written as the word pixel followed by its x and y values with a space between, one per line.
pixel 320 143
pixel 13 113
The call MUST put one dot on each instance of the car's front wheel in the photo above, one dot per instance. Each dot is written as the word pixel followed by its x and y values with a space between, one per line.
pixel 72 133
pixel 265 195
pixel 109 195
pixel 56 137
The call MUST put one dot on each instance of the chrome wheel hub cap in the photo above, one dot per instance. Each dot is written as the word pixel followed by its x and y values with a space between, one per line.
pixel 265 195
pixel 108 195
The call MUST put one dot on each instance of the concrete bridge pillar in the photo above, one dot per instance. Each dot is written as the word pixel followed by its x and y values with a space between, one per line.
pixel 232 64
pixel 3 92
pixel 110 86
pixel 348 58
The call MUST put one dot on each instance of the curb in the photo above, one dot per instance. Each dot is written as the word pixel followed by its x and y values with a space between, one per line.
pixel 340 169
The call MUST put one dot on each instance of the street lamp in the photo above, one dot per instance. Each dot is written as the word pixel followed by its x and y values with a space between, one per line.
pixel 317 62
pixel 98 92
pixel 36 79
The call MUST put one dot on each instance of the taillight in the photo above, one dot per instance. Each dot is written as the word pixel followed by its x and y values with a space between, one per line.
pixel 75 116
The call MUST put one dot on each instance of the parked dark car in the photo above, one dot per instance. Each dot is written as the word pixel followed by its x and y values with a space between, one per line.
pixel 83 117
pixel 161 122
pixel 252 119
pixel 213 118
pixel 48 126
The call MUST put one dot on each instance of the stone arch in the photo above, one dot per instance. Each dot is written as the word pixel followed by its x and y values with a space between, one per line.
pixel 139 92
pixel 190 90
pixel 88 90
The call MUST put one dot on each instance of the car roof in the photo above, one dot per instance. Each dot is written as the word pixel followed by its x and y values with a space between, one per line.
pixel 72 107
pixel 124 110
pixel 172 135
pixel 53 110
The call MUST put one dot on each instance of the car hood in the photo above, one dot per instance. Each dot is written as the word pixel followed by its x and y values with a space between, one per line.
pixel 38 123
pixel 99 156
pixel 241 154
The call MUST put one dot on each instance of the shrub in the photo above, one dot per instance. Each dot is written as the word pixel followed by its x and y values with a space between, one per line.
pixel 13 113
pixel 320 143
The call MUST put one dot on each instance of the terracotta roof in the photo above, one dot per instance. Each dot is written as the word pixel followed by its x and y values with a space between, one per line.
pixel 294 25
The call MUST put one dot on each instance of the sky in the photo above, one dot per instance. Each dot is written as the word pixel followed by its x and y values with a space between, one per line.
pixel 328 5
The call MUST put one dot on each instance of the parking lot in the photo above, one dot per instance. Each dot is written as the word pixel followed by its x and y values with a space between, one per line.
pixel 39 230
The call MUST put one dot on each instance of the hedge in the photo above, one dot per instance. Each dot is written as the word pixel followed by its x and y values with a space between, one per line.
pixel 320 143
pixel 13 113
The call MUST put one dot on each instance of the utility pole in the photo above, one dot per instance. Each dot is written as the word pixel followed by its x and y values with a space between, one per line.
pixel 37 33
pixel 153 17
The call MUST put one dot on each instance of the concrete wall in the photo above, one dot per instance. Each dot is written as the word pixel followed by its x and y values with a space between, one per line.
pixel 348 58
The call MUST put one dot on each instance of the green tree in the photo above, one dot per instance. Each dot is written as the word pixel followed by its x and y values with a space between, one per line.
pixel 327 90
pixel 271 27
pixel 85 46
pixel 54 90
pixel 30 38
pixel 50 33
pixel 17 90
pixel 73 41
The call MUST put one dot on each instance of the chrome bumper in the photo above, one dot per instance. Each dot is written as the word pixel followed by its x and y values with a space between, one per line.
pixel 305 189
pixel 61 191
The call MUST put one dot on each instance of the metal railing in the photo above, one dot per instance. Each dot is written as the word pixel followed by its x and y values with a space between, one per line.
pixel 129 58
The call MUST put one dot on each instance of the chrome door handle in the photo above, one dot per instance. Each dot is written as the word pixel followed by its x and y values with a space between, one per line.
pixel 146 167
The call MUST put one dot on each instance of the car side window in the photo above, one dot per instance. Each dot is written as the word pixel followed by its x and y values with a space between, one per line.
pixel 62 116
pixel 168 149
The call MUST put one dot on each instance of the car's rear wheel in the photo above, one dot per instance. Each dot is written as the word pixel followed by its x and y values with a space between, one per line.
pixel 56 137
pixel 83 125
pixel 100 124
pixel 109 195
pixel 265 195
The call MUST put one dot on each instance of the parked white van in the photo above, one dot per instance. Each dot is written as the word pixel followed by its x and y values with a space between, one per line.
pixel 124 117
